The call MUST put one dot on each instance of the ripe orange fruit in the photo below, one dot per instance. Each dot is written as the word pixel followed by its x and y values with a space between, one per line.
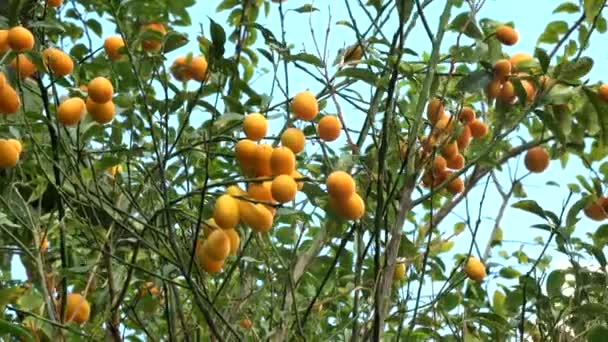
pixel 536 159
pixel 456 162
pixel 282 161
pixel 77 308
pixel 16 144
pixel 255 126
pixel 256 216
pixel 9 155
pixel 351 208
pixel 439 164
pixel 284 188
pixel 226 212
pixel 3 41
pixel 198 68
pixel 263 153
pixel 444 125
pixel 44 245
pixel 507 92
pixel 260 191
pixel 340 185
pixel 235 240
pixel 449 150
pixel 467 114
pixel 464 138
pixel 602 92
pixel 207 264
pixel 329 128
pixel 100 89
pixel 148 288
pixel 478 129
pixel 217 245
pixel 235 190
pixel 9 100
pixel 474 269
pixel 502 70
pixel 305 106
pixel 102 113
pixel 20 39
pixel 245 323
pixel 294 139
pixel 598 210
pixel 434 110
pixel 112 46
pixel 530 90
pixel 517 58
pixel 456 186
pixel 70 111
pixel 112 171
pixel 296 175
pixel 153 44
pixel 58 62
pixel 493 89
pixel 180 69
pixel 245 152
pixel 22 65
pixel 399 272
pixel 506 35
pixel 54 3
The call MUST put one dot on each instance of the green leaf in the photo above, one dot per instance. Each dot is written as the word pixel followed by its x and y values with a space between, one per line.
pixel 601 110
pixel 308 8
pixel 592 9
pixel 474 81
pixel 306 58
pixel 597 333
pixel 555 281
pixel 591 310
pixel 465 24
pixel 530 206
pixel 173 40
pixel 498 302
pixel 218 38
pixel 362 74
pixel 15 331
pixel 543 58
pixel 573 71
pixel 566 7
pixel 509 273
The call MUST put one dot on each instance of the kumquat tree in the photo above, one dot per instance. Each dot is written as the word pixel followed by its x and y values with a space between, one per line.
pixel 297 170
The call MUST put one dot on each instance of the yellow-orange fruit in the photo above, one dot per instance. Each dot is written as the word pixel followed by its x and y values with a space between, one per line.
pixel 399 272
pixel 59 62
pixel 245 152
pixel 456 162
pixel 449 150
pixel 23 66
pixel 506 35
pixel 54 3
pixel 3 41
pixel 296 175
pixel 329 128
pixel 100 89
pixel 598 210
pixel 340 185
pixel 493 89
pixel 112 46
pixel 180 69
pixel 502 70
pixel 2 79
pixel 602 92
pixel 530 90
pixel 428 144
pixel 536 159
pixel 351 208
pixel 507 92
pixel 9 156
pixel 235 240
pixel 294 139
pixel 260 191
pixel 282 161
pixel 255 126
pixel 16 144
pixel 256 216
pixel 444 125
pixel 114 170
pixel 235 190
pixel 198 68
pixel 102 113
pixel 148 289
pixel 226 212
pixel 44 245
pixel 77 308
pixel 478 129
pixel 207 264
pixel 263 154
pixel 284 188
pixel 464 138
pixel 217 245
pixel 245 323
pixel 9 100
pixel 518 58
pixel 305 106
pixel 439 164
pixel 70 111
pixel 466 115
pixel 152 44
pixel 474 269
pixel 20 39
pixel 434 110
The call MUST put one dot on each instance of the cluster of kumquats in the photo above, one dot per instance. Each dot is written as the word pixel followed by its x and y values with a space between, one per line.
pixel 272 179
